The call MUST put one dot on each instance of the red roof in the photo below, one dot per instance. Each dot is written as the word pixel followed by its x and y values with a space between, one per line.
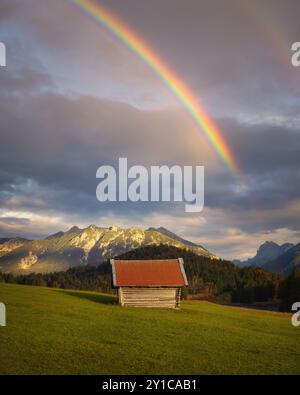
pixel 152 272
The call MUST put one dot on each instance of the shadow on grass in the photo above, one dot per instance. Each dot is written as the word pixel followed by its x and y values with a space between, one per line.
pixel 98 298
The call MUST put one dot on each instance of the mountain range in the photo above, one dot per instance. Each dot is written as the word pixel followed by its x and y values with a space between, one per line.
pixel 91 245
pixel 274 257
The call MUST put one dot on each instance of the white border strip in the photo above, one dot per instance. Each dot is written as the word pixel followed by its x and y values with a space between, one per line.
pixel 181 263
pixel 112 262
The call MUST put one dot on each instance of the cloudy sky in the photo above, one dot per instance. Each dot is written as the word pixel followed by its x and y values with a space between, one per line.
pixel 73 98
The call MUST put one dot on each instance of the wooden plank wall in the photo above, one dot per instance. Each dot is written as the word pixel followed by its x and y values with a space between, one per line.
pixel 150 296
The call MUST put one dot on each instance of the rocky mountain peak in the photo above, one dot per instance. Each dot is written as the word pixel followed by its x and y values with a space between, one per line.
pixel 91 245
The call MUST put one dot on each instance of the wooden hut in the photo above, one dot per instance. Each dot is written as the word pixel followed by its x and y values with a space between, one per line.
pixel 149 283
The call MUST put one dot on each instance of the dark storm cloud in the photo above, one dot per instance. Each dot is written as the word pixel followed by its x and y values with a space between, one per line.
pixel 221 49
pixel 57 142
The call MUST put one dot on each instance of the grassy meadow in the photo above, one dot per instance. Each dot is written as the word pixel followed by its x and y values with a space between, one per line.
pixel 54 331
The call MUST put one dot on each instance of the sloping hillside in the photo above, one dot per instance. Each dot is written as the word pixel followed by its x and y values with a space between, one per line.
pixel 90 245
pixel 274 257
pixel 9 245
pixel 207 278
pixel 285 262
pixel 70 332
pixel 268 251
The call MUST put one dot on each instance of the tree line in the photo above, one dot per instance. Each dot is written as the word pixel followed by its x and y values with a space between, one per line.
pixel 208 278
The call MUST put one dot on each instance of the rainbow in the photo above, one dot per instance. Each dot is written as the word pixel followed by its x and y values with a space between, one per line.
pixel 171 80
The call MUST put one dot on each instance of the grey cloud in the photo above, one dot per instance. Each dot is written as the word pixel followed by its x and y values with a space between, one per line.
pixel 14 221
pixel 222 50
pixel 62 145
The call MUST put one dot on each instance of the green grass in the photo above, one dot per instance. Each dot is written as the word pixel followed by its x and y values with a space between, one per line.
pixel 51 331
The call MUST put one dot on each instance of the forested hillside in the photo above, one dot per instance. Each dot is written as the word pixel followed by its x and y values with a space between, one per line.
pixel 208 278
